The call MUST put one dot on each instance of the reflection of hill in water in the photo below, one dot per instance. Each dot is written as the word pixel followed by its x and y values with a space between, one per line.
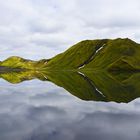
pixel 96 59
pixel 96 86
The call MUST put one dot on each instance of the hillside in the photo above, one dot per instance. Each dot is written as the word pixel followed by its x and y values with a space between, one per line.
pixel 95 55
pixel 123 54
pixel 16 62
pixel 77 55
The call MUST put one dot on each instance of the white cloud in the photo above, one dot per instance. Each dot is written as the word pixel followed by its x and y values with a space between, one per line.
pixel 41 28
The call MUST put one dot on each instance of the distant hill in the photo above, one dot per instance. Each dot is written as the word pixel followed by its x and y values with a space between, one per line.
pixel 104 54
pixel 16 62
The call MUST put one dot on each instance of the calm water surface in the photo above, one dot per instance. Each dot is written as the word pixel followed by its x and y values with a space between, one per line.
pixel 37 110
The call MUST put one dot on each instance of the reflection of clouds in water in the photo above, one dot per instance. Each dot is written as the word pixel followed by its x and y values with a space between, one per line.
pixel 40 110
pixel 53 123
pixel 107 126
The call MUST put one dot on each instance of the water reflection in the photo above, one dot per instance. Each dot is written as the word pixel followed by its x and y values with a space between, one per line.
pixel 88 85
pixel 39 110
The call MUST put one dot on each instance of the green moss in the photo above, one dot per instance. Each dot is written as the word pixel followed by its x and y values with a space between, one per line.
pixel 99 55
pixel 113 51
pixel 76 56
pixel 95 55
pixel 20 63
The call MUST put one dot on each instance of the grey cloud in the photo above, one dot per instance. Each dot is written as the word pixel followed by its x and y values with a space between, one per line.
pixel 45 27
pixel 111 14
pixel 113 23
pixel 61 24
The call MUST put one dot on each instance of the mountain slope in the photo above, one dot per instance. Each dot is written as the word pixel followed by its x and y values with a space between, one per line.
pixel 99 54
pixel 114 50
pixel 77 55
pixel 104 54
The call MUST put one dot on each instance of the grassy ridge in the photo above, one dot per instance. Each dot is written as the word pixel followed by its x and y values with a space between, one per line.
pixel 122 50
pixel 21 63
pixel 104 54
pixel 77 55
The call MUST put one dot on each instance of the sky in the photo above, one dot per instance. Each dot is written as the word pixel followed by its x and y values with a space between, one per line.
pixel 36 29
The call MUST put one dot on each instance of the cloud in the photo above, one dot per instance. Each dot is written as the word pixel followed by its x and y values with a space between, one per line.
pixel 40 29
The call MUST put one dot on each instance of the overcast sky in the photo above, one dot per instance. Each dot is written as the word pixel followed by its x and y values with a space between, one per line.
pixel 38 29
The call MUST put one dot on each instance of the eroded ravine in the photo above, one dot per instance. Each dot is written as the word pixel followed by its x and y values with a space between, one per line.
pixel 99 47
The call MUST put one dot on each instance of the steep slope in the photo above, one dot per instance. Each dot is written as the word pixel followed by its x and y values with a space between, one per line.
pixel 77 56
pixel 113 50
pixel 99 54
pixel 104 54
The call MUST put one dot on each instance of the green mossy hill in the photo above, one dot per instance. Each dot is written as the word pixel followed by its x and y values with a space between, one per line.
pixel 76 56
pixel 15 62
pixel 117 54
pixel 105 55
pixel 101 54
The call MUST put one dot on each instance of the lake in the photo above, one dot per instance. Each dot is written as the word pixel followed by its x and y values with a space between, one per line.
pixel 71 106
